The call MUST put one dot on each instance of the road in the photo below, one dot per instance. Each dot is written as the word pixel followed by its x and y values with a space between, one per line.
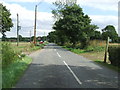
pixel 55 67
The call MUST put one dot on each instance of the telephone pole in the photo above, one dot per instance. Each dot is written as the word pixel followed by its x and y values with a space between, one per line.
pixel 17 29
pixel 30 36
pixel 44 36
pixel 35 24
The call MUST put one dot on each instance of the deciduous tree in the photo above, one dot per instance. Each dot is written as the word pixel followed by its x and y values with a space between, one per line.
pixel 6 21
pixel 75 24
pixel 109 31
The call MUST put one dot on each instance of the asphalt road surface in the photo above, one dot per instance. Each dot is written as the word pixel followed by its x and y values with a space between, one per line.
pixel 55 67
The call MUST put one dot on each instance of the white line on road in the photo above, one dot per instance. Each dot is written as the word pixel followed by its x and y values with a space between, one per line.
pixel 58 54
pixel 73 73
pixel 54 49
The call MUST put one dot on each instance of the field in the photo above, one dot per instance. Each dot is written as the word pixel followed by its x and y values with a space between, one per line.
pixel 98 55
pixel 26 47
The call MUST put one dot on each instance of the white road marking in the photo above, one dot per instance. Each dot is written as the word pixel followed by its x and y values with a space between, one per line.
pixel 58 54
pixel 54 49
pixel 73 73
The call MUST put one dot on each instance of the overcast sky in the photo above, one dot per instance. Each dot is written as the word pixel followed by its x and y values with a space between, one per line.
pixel 102 13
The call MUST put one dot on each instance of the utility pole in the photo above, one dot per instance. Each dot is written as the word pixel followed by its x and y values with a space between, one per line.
pixel 30 36
pixel 17 29
pixel 44 36
pixel 35 25
pixel 106 50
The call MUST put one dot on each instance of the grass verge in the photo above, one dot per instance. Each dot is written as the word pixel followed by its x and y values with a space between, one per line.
pixel 89 49
pixel 110 66
pixel 77 51
pixel 35 48
pixel 12 73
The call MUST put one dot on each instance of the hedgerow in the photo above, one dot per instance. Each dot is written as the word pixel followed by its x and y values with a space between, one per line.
pixel 114 55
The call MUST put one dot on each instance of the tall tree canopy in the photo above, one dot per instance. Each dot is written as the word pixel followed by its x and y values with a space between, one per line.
pixel 109 31
pixel 97 35
pixel 6 21
pixel 75 24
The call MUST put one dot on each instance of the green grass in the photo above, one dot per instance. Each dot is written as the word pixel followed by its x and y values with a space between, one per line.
pixel 89 49
pixel 40 46
pixel 110 66
pixel 35 48
pixel 95 48
pixel 77 51
pixel 12 73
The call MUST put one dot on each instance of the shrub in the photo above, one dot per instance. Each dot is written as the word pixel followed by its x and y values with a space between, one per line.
pixel 68 45
pixel 114 55
pixel 8 54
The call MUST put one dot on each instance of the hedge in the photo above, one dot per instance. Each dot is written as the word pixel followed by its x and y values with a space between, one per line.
pixel 114 55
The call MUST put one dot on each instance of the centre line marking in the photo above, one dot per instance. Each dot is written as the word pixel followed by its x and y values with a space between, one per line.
pixel 73 73
pixel 58 54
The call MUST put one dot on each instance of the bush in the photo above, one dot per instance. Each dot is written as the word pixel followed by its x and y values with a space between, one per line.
pixel 8 54
pixel 68 45
pixel 114 55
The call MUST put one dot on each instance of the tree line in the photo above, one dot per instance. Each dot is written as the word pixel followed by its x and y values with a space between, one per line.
pixel 26 39
pixel 73 26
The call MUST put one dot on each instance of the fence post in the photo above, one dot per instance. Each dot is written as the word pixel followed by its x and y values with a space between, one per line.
pixel 106 50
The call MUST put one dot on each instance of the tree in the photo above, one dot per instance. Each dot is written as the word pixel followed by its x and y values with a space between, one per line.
pixel 20 37
pixel 6 21
pixel 109 31
pixel 97 35
pixel 74 24
pixel 32 38
pixel 60 4
pixel 52 37
pixel 118 39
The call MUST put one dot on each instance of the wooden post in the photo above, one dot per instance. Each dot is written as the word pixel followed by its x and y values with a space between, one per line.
pixel 35 25
pixel 30 36
pixel 106 50
pixel 17 30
